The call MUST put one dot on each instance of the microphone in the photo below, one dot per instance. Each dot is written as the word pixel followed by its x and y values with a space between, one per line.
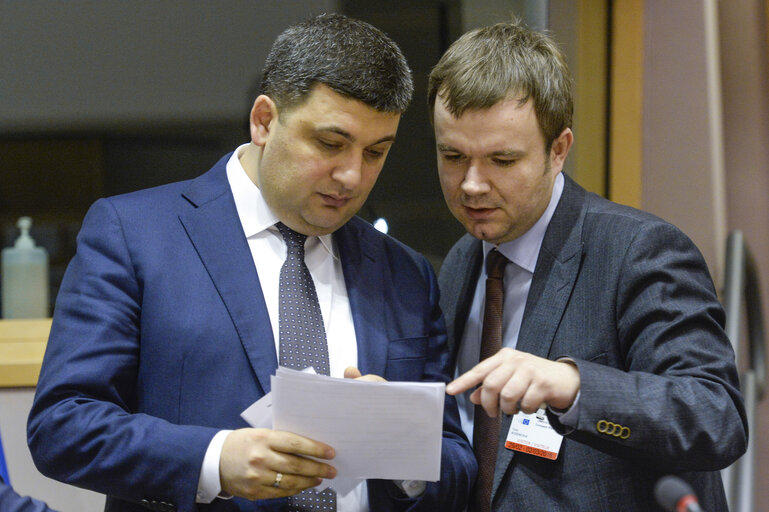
pixel 675 495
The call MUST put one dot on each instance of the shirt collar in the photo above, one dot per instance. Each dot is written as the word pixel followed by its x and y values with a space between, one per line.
pixel 254 213
pixel 524 250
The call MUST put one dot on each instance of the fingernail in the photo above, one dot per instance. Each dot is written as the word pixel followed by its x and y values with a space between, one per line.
pixel 330 454
pixel 330 472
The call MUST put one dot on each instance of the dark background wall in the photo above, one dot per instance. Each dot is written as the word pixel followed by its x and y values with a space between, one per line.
pixel 99 98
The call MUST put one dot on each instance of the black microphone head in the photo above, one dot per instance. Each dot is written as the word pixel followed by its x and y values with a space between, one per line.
pixel 669 490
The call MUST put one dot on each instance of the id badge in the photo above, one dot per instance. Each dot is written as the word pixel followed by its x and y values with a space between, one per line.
pixel 532 434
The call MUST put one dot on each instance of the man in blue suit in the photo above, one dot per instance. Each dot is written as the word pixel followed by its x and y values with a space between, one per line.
pixel 602 363
pixel 10 501
pixel 166 325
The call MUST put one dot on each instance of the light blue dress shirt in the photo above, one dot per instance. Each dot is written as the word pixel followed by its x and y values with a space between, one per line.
pixel 522 253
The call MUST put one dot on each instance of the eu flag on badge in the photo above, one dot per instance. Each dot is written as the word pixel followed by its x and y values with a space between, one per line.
pixel 525 421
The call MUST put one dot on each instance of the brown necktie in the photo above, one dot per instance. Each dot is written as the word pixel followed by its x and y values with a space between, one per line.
pixel 486 429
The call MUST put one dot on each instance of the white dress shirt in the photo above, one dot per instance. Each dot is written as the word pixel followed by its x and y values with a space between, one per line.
pixel 522 253
pixel 269 252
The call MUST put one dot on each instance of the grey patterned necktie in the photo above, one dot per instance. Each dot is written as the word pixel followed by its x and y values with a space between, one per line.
pixel 302 340
pixel 486 429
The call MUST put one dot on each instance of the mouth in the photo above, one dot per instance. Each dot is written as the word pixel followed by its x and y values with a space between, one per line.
pixel 476 213
pixel 334 200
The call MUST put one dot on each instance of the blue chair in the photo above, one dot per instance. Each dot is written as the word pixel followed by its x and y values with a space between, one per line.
pixel 3 466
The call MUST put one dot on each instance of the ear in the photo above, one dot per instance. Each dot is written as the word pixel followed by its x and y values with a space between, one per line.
pixel 560 149
pixel 263 114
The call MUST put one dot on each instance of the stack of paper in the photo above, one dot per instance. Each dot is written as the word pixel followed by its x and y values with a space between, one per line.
pixel 389 430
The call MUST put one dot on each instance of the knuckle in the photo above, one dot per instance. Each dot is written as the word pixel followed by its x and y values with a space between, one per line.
pixel 296 466
pixel 256 458
pixel 295 444
pixel 507 395
pixel 261 434
pixel 491 384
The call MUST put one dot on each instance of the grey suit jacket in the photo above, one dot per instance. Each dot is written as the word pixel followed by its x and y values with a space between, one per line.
pixel 629 298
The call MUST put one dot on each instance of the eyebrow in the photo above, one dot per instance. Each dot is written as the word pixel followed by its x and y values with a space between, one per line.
pixel 347 135
pixel 511 153
pixel 447 149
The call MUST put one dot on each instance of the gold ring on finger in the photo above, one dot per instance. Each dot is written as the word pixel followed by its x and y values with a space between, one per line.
pixel 278 478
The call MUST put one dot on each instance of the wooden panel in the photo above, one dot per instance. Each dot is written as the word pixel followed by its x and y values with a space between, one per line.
pixel 22 346
pixel 626 106
pixel 590 95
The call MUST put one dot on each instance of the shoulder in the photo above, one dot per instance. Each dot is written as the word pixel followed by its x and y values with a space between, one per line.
pixel 463 257
pixel 177 195
pixel 617 226
pixel 636 246
pixel 461 252
pixel 382 247
pixel 156 198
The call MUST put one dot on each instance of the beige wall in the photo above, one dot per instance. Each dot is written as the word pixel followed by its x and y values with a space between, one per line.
pixel 682 173
pixel 745 79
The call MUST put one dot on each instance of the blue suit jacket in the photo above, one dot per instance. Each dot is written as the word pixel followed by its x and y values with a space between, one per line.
pixel 161 338
pixel 629 298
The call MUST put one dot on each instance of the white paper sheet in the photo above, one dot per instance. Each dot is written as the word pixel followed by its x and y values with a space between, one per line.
pixel 388 430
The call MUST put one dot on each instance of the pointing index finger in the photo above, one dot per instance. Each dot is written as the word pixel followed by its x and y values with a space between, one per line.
pixel 472 377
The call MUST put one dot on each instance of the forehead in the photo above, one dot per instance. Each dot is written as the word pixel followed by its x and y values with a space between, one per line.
pixel 507 124
pixel 327 110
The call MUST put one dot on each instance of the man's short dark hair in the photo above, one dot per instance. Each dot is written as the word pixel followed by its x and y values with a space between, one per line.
pixel 505 61
pixel 349 56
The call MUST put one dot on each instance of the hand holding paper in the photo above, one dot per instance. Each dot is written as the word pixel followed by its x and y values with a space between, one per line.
pixel 352 372
pixel 388 430
pixel 252 458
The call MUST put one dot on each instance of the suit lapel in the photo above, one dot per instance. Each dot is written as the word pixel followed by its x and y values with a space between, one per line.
pixel 554 277
pixel 214 229
pixel 556 271
pixel 365 283
pixel 457 290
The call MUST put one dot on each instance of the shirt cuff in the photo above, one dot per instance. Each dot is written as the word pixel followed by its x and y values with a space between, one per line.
pixel 570 416
pixel 412 488
pixel 209 484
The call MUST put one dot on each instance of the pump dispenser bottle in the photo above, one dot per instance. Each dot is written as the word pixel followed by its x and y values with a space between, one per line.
pixel 25 277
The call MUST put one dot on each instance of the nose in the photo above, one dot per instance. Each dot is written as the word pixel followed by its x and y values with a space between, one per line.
pixel 474 182
pixel 349 170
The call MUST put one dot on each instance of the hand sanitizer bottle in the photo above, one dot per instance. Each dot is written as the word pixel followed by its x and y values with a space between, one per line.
pixel 25 277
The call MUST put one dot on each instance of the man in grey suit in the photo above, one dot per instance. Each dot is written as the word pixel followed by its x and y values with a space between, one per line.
pixel 611 367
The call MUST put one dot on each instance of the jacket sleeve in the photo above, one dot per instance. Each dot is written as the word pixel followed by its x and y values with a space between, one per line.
pixel 83 428
pixel 673 397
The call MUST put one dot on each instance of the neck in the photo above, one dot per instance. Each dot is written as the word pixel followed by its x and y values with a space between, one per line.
pixel 250 159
